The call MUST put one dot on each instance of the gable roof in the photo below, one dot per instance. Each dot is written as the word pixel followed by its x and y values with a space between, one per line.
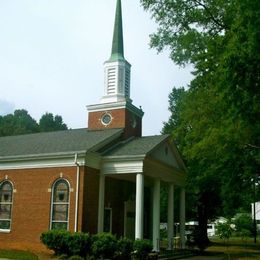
pixel 152 147
pixel 137 146
pixel 58 142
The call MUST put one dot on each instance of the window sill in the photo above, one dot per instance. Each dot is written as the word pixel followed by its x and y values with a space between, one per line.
pixel 5 231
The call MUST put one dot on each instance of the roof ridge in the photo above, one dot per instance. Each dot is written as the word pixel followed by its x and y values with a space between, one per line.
pixel 56 131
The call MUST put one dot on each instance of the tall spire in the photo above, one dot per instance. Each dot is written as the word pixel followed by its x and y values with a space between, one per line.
pixel 118 42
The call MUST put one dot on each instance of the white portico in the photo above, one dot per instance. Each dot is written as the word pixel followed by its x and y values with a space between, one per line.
pixel 149 162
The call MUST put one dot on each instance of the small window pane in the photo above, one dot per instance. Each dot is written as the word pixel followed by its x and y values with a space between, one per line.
pixel 5 224
pixel 5 211
pixel 6 192
pixel 59 225
pixel 61 192
pixel 60 212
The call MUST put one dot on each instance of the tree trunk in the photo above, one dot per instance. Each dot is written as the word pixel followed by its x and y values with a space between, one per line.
pixel 202 235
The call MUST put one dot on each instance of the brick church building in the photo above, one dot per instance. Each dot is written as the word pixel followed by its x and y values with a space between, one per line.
pixel 103 178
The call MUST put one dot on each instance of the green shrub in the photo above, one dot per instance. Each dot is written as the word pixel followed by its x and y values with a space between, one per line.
pixel 56 240
pixel 142 248
pixel 244 226
pixel 79 244
pixel 64 243
pixel 104 245
pixel 224 230
pixel 124 248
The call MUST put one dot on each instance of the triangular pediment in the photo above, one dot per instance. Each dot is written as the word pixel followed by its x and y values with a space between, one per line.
pixel 168 154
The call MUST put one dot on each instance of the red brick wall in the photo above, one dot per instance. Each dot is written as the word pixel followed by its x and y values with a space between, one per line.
pixel 122 118
pixel 32 203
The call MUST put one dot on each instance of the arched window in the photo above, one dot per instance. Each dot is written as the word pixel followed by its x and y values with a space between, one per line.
pixel 6 202
pixel 60 205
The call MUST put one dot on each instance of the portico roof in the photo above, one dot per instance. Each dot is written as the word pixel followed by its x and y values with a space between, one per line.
pixel 154 156
pixel 136 146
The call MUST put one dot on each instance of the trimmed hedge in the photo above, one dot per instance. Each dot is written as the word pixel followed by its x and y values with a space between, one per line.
pixel 56 240
pixel 124 248
pixel 101 246
pixel 65 243
pixel 104 245
pixel 142 248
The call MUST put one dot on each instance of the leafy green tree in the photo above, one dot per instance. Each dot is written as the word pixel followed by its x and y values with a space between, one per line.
pixel 48 122
pixel 22 123
pixel 18 123
pixel 216 121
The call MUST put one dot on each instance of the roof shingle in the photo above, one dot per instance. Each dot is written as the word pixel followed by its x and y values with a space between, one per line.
pixel 53 142
pixel 137 146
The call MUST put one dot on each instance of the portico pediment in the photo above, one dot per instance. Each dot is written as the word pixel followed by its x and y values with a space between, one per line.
pixel 167 154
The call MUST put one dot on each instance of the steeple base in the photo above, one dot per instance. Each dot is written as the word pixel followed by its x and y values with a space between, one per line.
pixel 116 115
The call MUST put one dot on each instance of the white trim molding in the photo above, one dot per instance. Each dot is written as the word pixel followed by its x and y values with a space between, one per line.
pixel 122 165
pixel 41 162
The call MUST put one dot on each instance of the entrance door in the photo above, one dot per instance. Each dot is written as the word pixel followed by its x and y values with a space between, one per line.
pixel 129 219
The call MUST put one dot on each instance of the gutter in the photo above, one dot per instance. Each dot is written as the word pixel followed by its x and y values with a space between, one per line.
pixel 77 193
pixel 41 156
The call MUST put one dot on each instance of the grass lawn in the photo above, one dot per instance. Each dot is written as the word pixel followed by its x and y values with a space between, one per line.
pixel 236 248
pixel 17 254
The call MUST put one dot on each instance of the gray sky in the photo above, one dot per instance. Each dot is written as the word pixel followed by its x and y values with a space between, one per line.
pixel 52 54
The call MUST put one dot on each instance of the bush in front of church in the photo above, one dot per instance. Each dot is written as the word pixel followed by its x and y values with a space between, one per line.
pixel 142 248
pixel 124 249
pixel 67 244
pixel 104 246
pixel 79 245
pixel 56 240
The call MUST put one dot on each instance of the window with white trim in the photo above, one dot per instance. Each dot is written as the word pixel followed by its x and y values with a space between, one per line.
pixel 6 203
pixel 60 204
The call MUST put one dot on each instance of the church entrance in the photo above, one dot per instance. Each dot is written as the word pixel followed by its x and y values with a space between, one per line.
pixel 129 219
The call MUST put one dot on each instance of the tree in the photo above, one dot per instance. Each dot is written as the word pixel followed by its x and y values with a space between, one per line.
pixel 48 122
pixel 22 123
pixel 216 126
pixel 18 123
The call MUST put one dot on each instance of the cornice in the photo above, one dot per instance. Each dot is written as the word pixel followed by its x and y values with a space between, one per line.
pixel 116 105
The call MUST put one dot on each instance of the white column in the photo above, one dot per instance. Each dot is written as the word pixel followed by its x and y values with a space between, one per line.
pixel 139 206
pixel 182 217
pixel 170 216
pixel 156 215
pixel 101 199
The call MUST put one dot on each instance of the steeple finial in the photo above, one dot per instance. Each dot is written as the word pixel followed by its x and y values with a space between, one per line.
pixel 118 43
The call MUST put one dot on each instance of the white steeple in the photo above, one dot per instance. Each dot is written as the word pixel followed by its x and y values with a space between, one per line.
pixel 117 70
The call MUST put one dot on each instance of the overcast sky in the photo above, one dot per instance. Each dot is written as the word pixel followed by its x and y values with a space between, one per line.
pixel 52 54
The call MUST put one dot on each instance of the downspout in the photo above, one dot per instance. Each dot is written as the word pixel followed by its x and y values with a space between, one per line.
pixel 77 193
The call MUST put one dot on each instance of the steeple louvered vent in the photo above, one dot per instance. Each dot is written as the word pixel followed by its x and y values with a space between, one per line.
pixel 111 81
